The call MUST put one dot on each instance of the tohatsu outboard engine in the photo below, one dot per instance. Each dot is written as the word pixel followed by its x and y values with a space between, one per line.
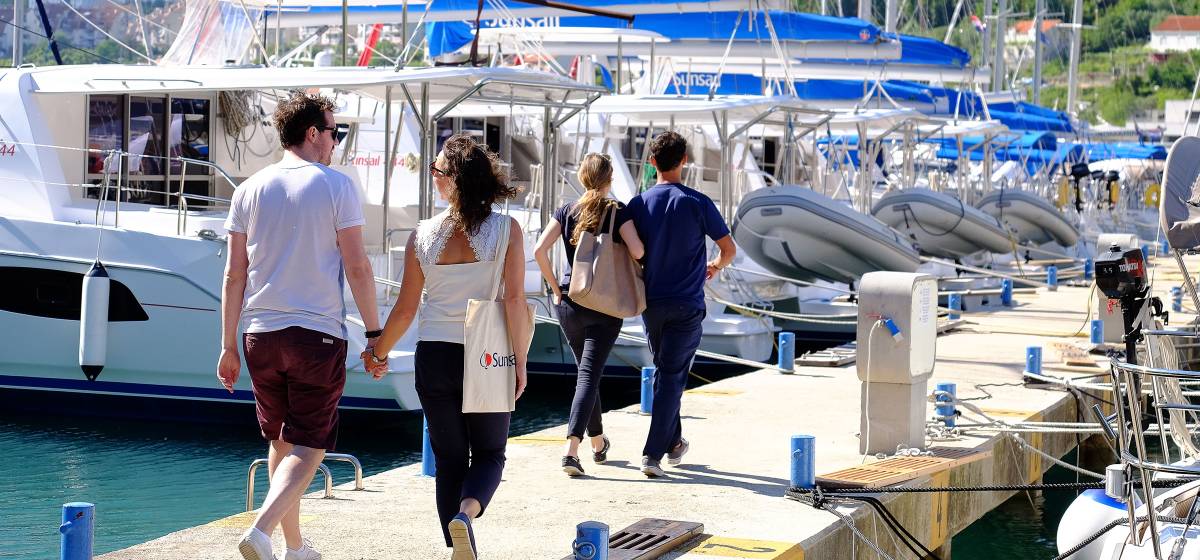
pixel 1121 275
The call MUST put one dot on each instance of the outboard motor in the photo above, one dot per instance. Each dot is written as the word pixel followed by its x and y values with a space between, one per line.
pixel 1078 172
pixel 1121 275
pixel 1112 179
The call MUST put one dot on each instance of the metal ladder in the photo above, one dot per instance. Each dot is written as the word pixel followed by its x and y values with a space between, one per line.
pixel 358 475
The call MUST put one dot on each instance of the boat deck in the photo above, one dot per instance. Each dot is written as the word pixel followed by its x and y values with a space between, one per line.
pixel 736 473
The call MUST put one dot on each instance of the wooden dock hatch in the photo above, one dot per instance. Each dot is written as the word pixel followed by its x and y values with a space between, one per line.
pixel 895 470
pixel 649 538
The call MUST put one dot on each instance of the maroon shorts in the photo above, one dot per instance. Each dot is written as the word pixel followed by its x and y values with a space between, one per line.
pixel 298 376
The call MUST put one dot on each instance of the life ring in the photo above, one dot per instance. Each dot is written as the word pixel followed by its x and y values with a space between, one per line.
pixel 1152 196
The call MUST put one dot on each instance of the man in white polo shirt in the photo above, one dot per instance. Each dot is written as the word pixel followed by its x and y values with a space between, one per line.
pixel 295 236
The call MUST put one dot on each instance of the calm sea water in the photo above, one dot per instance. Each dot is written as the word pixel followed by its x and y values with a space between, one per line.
pixel 149 479
pixel 1022 527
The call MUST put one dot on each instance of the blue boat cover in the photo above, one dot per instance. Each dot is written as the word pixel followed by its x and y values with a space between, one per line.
pixel 716 26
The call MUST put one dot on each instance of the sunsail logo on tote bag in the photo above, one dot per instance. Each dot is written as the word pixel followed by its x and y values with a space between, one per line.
pixel 495 360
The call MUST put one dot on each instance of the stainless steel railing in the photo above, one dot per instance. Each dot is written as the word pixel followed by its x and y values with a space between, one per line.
pixel 358 475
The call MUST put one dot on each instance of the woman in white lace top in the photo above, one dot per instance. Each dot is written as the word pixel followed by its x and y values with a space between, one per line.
pixel 449 260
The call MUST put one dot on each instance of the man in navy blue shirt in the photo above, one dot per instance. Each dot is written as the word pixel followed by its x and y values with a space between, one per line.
pixel 673 221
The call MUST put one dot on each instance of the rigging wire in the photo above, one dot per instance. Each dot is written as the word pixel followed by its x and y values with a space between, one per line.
pixel 59 41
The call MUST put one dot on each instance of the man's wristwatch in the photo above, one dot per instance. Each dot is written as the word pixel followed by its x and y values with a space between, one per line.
pixel 375 333
pixel 375 359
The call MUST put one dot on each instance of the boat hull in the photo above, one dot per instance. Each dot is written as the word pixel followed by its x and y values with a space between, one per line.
pixel 798 233
pixel 940 224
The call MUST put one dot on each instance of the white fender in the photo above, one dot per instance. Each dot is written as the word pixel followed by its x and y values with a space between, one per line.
pixel 93 321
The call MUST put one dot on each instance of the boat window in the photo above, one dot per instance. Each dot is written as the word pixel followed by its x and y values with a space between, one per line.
pixel 188 137
pixel 144 165
pixel 106 130
pixel 58 294
pixel 150 129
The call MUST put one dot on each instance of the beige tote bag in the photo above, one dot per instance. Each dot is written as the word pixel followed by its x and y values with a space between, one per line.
pixel 489 362
pixel 604 277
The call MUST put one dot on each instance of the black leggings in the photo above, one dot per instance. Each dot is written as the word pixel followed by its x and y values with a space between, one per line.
pixel 468 448
pixel 591 335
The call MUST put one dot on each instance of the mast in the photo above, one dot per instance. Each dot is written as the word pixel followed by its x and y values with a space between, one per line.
pixel 891 16
pixel 1076 39
pixel 988 26
pixel 345 25
pixel 1037 52
pixel 18 50
pixel 998 82
pixel 864 10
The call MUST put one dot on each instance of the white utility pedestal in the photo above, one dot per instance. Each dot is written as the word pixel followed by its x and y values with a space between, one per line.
pixel 895 368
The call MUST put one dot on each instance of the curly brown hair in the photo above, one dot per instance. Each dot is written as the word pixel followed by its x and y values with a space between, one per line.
pixel 478 180
pixel 294 115
pixel 668 150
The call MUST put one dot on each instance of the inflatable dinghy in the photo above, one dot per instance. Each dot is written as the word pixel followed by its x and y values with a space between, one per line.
pixel 799 233
pixel 940 224
pixel 1030 217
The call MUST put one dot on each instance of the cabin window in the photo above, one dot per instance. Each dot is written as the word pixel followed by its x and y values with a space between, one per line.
pixel 58 294
pixel 106 131
pixel 154 132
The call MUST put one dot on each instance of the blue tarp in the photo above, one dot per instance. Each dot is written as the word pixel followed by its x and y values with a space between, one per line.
pixel 1014 115
pixel 746 84
pixel 1038 151
pixel 715 26
pixel 1124 150
pixel 914 50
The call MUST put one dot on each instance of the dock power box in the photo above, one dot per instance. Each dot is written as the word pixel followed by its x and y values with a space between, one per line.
pixel 897 336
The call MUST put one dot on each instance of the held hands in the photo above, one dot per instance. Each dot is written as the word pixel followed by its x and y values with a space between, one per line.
pixel 377 368
pixel 228 368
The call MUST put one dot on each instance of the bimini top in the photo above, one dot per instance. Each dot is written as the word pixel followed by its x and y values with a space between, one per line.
pixel 1179 213
pixel 641 110
pixel 511 86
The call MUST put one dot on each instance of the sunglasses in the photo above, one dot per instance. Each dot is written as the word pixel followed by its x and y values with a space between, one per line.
pixel 435 171
pixel 339 131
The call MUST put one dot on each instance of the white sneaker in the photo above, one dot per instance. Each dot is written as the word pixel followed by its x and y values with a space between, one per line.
pixel 675 456
pixel 255 545
pixel 306 552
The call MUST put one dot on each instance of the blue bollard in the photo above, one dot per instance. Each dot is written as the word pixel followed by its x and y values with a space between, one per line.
pixel 1177 299
pixel 1052 277
pixel 946 394
pixel 647 390
pixel 1006 292
pixel 955 305
pixel 1145 251
pixel 1033 359
pixel 77 529
pixel 428 465
pixel 787 351
pixel 1163 246
pixel 804 461
pixel 1089 268
pixel 1097 331
pixel 591 541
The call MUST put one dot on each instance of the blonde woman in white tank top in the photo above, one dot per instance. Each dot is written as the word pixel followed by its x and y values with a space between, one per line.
pixel 448 261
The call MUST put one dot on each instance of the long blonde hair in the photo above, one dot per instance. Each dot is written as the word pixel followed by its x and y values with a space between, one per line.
pixel 595 172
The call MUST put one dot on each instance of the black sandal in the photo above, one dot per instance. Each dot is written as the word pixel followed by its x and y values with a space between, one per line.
pixel 572 466
pixel 600 457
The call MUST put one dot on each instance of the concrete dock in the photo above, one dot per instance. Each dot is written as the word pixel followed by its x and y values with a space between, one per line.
pixel 736 472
